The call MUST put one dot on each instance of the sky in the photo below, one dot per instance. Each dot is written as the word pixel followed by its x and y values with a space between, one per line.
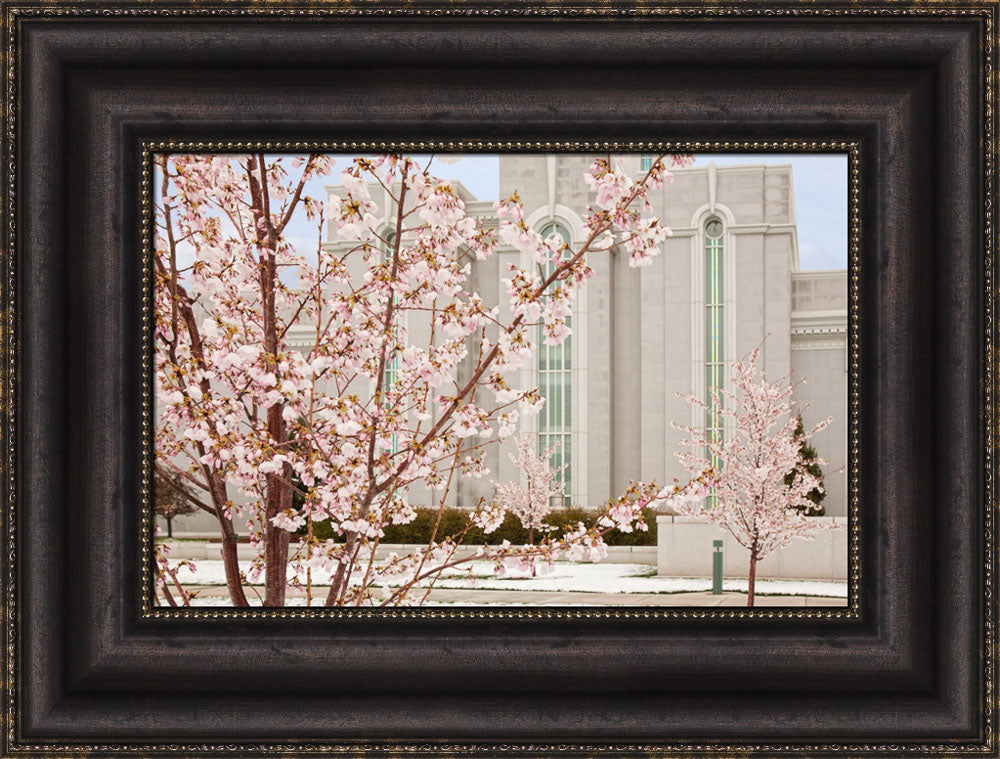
pixel 820 182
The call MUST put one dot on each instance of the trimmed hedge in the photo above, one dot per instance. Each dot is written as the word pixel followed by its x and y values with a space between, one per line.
pixel 454 521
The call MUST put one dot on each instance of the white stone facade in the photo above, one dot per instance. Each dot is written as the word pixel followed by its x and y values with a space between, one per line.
pixel 639 337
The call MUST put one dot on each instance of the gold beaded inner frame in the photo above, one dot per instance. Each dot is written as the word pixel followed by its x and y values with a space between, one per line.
pixel 850 611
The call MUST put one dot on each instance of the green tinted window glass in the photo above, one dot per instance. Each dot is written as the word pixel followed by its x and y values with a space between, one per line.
pixel 555 384
pixel 391 370
pixel 714 359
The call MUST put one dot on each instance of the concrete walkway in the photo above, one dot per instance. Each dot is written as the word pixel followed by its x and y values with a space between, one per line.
pixel 474 597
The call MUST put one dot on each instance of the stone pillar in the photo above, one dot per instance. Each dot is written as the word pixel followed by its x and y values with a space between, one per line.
pixel 626 377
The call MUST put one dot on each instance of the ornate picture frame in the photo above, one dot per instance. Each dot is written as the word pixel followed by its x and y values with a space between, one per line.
pixel 92 89
pixel 849 558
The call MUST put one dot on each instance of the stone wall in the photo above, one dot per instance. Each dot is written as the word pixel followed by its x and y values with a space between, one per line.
pixel 685 549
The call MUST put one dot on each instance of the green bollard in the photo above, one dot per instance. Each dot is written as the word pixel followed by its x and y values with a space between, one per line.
pixel 717 568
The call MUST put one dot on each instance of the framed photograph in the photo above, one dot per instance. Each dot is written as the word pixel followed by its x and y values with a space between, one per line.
pixel 452 379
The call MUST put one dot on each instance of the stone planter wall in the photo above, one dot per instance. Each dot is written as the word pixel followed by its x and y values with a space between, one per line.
pixel 685 550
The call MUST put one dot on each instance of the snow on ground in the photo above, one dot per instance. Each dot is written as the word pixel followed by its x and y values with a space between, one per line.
pixel 565 577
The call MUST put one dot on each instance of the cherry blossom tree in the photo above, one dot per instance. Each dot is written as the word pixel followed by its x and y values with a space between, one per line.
pixel 530 500
pixel 404 383
pixel 762 483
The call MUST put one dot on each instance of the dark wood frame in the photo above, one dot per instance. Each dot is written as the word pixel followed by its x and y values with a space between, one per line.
pixel 912 672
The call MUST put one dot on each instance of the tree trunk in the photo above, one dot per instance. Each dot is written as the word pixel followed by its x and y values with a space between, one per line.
pixel 531 542
pixel 230 562
pixel 309 542
pixel 279 498
pixel 752 578
pixel 342 575
pixel 170 527
pixel 279 494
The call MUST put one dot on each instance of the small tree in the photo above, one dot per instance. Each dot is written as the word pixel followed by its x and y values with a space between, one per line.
pixel 172 498
pixel 531 502
pixel 812 462
pixel 757 501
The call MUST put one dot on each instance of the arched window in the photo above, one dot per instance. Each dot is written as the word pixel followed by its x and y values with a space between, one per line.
pixel 714 319
pixel 555 384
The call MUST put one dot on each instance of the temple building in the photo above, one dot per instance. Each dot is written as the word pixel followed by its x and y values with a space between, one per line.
pixel 727 281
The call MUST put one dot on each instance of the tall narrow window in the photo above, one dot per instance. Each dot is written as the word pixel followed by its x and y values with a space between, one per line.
pixel 714 359
pixel 391 369
pixel 555 385
pixel 645 162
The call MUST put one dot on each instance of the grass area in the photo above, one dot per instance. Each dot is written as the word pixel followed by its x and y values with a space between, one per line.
pixel 652 572
pixel 165 539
